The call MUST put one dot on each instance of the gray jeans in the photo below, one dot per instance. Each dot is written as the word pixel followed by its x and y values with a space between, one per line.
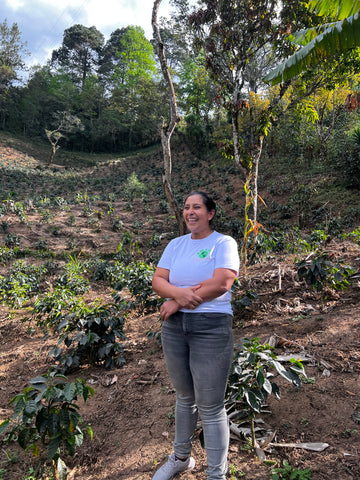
pixel 198 349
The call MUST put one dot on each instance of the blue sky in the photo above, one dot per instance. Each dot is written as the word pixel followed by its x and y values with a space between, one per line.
pixel 42 22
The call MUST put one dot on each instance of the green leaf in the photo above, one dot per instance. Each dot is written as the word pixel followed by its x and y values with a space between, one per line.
pixel 75 417
pixel 337 38
pixel 338 9
pixel 4 426
pixel 63 324
pixel 53 448
pixel 19 405
pixel 89 431
pixel 41 421
pixel 275 390
pixel 260 378
pixel 252 401
pixel 70 392
pixel 297 367
pixel 31 408
pixel 267 386
pixel 292 377
pixel 70 447
pixel 64 419
pixel 278 366
pixel 53 423
pixel 79 438
pixel 38 381
pixel 23 438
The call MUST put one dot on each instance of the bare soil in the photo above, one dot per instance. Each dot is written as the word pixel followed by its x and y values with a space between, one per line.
pixel 131 412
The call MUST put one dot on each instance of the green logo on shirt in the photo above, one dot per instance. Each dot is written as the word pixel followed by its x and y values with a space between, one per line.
pixel 203 253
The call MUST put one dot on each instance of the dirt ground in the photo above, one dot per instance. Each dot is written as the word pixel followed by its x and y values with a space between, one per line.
pixel 131 412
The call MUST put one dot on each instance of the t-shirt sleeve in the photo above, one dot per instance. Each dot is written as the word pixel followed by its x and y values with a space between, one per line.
pixel 227 255
pixel 165 259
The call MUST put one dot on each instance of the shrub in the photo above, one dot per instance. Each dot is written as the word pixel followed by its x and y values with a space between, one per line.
pixel 49 309
pixel 137 277
pixel 133 187
pixel 347 158
pixel 319 271
pixel 7 253
pixel 21 284
pixel 249 385
pixel 90 334
pixel 12 240
pixel 354 235
pixel 244 301
pixel 287 472
pixel 87 333
pixel 116 224
pixel 73 282
pixel 46 415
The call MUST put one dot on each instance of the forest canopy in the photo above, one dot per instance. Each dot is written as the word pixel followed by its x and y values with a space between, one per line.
pixel 218 61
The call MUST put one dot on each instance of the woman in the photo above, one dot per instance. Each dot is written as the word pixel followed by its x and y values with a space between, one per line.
pixel 195 275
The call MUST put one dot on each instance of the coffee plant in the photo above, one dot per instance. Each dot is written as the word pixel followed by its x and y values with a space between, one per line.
pixel 319 271
pixel 136 278
pixel 46 420
pixel 287 472
pixel 133 187
pixel 250 383
pixel 354 236
pixel 12 240
pixel 240 303
pixel 88 334
pixel 21 284
pixel 48 309
pixel 8 253
pixel 73 282
pixel 4 226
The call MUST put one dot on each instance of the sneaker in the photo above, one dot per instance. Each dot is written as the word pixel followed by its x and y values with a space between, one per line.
pixel 172 467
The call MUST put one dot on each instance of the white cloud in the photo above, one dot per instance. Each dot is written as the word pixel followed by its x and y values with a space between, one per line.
pixel 42 22
pixel 15 4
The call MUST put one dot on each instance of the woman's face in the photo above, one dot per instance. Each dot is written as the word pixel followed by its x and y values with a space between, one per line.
pixel 197 216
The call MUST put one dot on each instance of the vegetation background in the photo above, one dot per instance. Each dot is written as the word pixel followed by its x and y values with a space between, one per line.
pixel 84 218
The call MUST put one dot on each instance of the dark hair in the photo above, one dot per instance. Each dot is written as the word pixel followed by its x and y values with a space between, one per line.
pixel 208 202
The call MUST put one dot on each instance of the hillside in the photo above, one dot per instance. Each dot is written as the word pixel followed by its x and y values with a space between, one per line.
pixel 86 211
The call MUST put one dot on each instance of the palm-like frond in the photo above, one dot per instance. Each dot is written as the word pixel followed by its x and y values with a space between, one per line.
pixel 337 9
pixel 337 37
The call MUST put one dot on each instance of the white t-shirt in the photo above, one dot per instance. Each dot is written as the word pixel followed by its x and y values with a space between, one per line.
pixel 190 262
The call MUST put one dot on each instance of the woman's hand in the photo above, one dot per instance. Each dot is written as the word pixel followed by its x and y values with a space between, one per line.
pixel 188 298
pixel 184 297
pixel 168 308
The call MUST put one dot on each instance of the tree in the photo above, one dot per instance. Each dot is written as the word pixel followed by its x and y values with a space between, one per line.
pixel 324 111
pixel 232 34
pixel 196 99
pixel 44 94
pixel 67 124
pixel 79 53
pixel 90 103
pixel 11 51
pixel 128 69
pixel 127 56
pixel 194 88
pixel 339 34
pixel 167 129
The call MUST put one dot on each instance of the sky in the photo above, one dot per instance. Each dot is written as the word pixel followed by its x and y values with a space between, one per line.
pixel 42 22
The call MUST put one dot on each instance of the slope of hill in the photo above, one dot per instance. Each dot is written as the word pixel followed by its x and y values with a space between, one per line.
pixel 86 213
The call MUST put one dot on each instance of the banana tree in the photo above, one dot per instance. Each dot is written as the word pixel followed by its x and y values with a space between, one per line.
pixel 338 35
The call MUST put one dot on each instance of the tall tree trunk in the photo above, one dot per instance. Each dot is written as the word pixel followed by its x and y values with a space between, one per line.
pixel 167 129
